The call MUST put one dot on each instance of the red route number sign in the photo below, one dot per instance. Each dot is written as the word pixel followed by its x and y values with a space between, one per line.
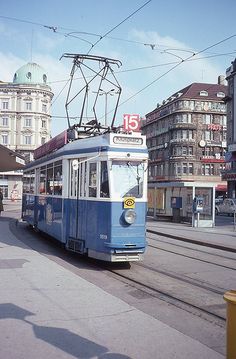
pixel 131 123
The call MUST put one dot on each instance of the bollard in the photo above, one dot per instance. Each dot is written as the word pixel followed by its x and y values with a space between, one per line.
pixel 230 298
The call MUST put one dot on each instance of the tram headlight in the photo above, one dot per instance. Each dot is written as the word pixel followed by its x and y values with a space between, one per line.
pixel 130 216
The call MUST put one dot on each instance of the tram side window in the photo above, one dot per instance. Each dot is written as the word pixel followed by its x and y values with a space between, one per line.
pixel 85 179
pixel 50 186
pixel 32 181
pixel 26 182
pixel 104 184
pixel 92 180
pixel 50 179
pixel 74 178
pixel 57 183
pixel 42 180
pixel 82 179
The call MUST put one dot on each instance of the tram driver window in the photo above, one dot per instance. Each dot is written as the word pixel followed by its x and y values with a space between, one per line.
pixel 93 180
pixel 128 178
pixel 104 190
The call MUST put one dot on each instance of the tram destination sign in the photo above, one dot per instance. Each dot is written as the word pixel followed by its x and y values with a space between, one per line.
pixel 121 140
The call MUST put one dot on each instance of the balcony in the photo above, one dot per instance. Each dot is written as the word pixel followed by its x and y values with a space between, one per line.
pixel 183 140
pixel 183 125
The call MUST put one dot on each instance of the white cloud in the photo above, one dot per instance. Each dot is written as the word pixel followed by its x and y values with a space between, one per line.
pixel 167 50
pixel 48 43
pixel 9 64
pixel 204 70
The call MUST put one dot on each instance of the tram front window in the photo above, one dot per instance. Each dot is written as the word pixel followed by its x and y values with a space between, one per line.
pixel 128 178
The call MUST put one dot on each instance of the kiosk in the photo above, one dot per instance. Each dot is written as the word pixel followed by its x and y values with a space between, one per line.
pixel 192 202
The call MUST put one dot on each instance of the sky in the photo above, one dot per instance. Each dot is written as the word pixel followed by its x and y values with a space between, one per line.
pixel 163 46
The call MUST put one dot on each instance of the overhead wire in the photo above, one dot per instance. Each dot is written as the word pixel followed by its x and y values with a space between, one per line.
pixel 153 66
pixel 150 67
pixel 173 68
pixel 120 23
pixel 102 37
pixel 153 46
pixel 54 28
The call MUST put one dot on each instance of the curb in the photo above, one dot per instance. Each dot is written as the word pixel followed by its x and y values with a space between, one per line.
pixel 195 241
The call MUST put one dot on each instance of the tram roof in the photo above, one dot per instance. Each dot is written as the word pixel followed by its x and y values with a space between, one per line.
pixel 103 142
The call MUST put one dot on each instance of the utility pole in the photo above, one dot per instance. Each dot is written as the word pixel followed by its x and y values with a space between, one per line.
pixel 106 93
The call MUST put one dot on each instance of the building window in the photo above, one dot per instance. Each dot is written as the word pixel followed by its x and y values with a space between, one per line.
pixel 28 122
pixel 208 135
pixel 224 120
pixel 4 139
pixel 184 168
pixel 220 94
pixel 5 105
pixel 220 169
pixel 44 108
pixel 43 140
pixel 207 169
pixel 206 119
pixel 5 121
pixel 207 151
pixel 203 93
pixel 190 168
pixel 178 168
pixel 28 106
pixel 183 118
pixel 44 124
pixel 27 140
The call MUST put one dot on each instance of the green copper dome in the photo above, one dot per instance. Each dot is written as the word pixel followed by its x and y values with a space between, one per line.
pixel 30 73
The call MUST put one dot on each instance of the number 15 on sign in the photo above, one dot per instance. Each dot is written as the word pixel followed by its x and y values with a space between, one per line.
pixel 131 123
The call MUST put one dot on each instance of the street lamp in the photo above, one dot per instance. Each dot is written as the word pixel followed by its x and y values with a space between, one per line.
pixel 106 93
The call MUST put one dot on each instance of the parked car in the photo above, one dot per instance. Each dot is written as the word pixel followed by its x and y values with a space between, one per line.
pixel 228 206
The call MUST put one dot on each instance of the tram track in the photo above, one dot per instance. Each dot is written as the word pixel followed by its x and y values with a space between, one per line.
pixel 174 300
pixel 194 241
pixel 186 280
pixel 180 245
pixel 192 257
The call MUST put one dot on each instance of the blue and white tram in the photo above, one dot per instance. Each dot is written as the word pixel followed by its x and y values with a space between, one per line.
pixel 91 195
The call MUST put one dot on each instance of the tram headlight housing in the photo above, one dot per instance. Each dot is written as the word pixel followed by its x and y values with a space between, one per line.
pixel 130 216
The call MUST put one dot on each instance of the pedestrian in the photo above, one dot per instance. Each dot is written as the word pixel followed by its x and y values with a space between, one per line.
pixel 1 199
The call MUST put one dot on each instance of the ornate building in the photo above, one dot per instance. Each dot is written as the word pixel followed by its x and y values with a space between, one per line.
pixel 25 121
pixel 230 171
pixel 186 135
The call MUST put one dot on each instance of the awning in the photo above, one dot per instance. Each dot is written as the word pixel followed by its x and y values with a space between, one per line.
pixel 221 187
pixel 10 160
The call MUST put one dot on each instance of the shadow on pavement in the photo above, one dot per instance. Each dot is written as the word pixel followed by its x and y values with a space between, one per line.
pixel 60 338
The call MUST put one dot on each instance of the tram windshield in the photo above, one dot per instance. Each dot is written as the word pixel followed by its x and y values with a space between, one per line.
pixel 128 178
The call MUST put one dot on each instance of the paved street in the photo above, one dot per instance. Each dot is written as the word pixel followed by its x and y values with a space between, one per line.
pixel 47 310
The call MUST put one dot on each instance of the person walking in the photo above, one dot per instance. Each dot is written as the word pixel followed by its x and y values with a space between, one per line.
pixel 1 204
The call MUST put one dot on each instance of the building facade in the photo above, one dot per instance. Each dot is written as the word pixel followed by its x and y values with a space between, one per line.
pixel 186 135
pixel 25 120
pixel 230 171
